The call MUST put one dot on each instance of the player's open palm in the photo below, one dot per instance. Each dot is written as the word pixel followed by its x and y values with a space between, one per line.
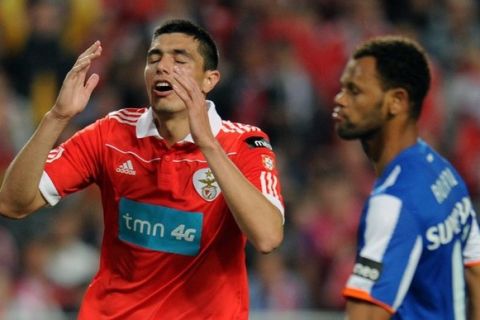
pixel 76 90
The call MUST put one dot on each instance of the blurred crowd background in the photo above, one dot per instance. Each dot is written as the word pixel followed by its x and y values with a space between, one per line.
pixel 280 63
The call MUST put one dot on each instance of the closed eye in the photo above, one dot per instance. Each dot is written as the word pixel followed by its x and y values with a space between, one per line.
pixel 153 59
pixel 154 55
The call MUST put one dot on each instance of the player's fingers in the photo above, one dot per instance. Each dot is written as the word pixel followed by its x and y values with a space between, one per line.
pixel 93 48
pixel 83 62
pixel 92 83
pixel 180 82
pixel 80 65
pixel 181 92
pixel 186 80
pixel 181 89
pixel 187 83
pixel 89 57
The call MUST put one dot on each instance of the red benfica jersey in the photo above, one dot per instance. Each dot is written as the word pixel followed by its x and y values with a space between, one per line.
pixel 171 248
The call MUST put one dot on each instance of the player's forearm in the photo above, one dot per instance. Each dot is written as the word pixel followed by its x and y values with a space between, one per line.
pixel 258 219
pixel 19 194
pixel 361 310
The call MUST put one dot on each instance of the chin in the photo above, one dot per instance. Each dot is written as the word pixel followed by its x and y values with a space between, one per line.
pixel 170 108
pixel 346 134
pixel 363 135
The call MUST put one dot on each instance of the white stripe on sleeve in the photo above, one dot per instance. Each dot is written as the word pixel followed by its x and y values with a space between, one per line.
pixel 471 253
pixel 408 273
pixel 382 218
pixel 268 183
pixel 48 190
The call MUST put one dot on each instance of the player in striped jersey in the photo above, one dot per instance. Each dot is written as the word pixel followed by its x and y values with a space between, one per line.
pixel 182 189
pixel 418 251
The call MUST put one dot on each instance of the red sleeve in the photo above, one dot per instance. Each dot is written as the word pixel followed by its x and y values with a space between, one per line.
pixel 257 162
pixel 73 165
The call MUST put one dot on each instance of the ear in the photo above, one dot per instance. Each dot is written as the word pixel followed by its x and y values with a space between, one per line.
pixel 398 98
pixel 210 80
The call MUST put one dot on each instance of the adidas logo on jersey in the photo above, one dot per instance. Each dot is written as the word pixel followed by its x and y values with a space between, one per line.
pixel 126 168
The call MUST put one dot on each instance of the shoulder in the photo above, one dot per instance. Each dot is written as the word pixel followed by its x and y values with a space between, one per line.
pixel 421 172
pixel 117 123
pixel 399 189
pixel 127 116
pixel 237 128
pixel 235 133
pixel 411 171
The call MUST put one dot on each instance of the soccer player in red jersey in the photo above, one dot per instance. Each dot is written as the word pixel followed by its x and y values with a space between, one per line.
pixel 182 189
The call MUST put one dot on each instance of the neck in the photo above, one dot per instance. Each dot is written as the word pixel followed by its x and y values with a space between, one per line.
pixel 383 147
pixel 172 127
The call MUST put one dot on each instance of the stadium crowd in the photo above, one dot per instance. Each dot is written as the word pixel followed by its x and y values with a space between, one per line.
pixel 281 62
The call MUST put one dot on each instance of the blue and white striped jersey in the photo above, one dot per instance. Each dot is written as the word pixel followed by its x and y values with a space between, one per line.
pixel 417 232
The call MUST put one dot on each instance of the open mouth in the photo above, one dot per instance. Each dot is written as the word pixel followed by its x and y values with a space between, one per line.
pixel 336 114
pixel 163 86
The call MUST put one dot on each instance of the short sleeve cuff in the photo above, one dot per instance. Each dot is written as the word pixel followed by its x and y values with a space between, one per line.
pixel 48 190
pixel 364 296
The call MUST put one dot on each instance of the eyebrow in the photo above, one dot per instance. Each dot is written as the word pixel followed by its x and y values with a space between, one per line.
pixel 182 52
pixel 344 81
pixel 175 52
pixel 153 51
pixel 349 84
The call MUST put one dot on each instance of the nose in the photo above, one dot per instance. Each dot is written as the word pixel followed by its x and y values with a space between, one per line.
pixel 339 97
pixel 165 65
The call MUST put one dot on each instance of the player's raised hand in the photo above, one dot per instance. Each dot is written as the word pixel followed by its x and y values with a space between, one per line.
pixel 76 90
pixel 189 91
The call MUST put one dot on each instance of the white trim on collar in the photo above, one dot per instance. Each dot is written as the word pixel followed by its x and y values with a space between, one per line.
pixel 146 125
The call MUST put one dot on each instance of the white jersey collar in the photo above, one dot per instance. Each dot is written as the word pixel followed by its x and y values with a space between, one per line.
pixel 146 124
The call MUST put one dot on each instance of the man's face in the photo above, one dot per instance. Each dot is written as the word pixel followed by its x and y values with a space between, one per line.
pixel 167 51
pixel 359 107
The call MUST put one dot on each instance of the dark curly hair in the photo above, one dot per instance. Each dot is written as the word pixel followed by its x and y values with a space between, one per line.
pixel 401 63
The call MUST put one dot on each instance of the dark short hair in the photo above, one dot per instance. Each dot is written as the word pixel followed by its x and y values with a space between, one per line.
pixel 401 63
pixel 207 47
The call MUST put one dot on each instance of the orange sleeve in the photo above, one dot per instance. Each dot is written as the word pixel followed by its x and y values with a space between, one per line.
pixel 362 295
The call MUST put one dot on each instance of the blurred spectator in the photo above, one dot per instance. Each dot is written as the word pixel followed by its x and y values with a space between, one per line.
pixel 17 123
pixel 13 25
pixel 328 232
pixel 319 45
pixel 81 18
pixel 39 66
pixel 252 82
pixel 8 266
pixel 72 263
pixel 463 26
pixel 33 297
pixel 464 100
pixel 274 287
pixel 293 99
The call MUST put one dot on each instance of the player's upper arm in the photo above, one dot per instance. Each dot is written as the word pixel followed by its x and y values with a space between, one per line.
pixel 37 203
pixel 363 310
pixel 257 161
pixel 472 276
pixel 471 253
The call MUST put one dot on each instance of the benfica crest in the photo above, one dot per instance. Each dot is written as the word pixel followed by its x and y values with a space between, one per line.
pixel 268 162
pixel 205 184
